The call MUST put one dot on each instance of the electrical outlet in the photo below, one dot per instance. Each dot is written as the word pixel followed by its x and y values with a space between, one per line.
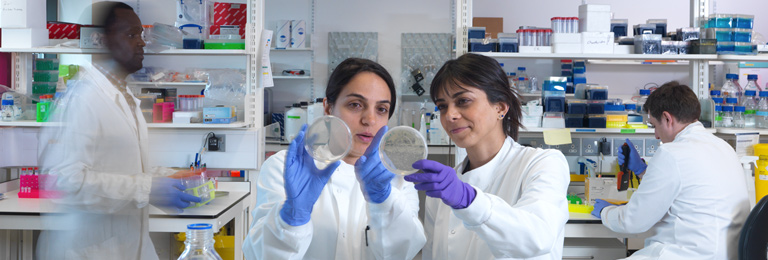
pixel 589 146
pixel 618 142
pixel 651 145
pixel 571 149
pixel 533 142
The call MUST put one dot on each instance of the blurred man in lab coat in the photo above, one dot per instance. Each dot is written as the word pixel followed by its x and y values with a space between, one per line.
pixel 693 193
pixel 95 155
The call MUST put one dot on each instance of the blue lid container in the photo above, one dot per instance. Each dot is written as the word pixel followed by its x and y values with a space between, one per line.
pixel 731 100
pixel 596 108
pixel 579 80
pixel 630 107
pixel 645 92
pixel 751 77
pixel 739 109
pixel 763 94
pixel 715 93
pixel 596 122
pixel 750 93
pixel 727 109
pixel 718 100
pixel 576 108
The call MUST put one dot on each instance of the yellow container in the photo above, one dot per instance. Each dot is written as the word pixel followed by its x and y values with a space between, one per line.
pixel 761 174
pixel 578 178
pixel 580 208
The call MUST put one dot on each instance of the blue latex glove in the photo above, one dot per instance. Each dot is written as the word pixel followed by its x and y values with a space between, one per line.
pixel 440 181
pixel 372 175
pixel 303 182
pixel 636 164
pixel 169 193
pixel 599 206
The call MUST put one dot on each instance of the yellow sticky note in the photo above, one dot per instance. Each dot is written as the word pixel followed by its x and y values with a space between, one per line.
pixel 557 136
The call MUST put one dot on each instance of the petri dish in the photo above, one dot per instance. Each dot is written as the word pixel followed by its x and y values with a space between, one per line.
pixel 328 139
pixel 400 147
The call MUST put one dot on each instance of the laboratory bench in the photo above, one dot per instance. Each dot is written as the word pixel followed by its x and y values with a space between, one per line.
pixel 26 215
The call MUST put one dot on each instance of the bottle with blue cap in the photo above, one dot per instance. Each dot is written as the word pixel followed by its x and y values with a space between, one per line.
pixel 523 84
pixel 738 117
pixel 727 116
pixel 7 113
pixel 731 88
pixel 752 84
pixel 749 102
pixel 761 117
pixel 199 243
pixel 718 115
pixel 716 94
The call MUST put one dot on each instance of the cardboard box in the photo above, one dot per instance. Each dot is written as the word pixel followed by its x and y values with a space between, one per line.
pixel 59 30
pixel 298 34
pixel 230 14
pixel 283 34
pixel 597 42
pixel 493 25
pixel 92 37
pixel 572 38
pixel 594 18
pixel 20 14
pixel 219 115
pixel 24 38
pixel 217 30
pixel 566 48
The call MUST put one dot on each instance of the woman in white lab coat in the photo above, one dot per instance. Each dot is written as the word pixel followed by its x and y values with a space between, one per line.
pixel 352 209
pixel 507 200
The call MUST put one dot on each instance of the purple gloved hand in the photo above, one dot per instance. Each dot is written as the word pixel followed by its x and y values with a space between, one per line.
pixel 440 181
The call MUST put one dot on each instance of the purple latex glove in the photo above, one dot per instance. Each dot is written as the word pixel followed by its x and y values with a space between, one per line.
pixel 440 181
pixel 373 176
pixel 599 206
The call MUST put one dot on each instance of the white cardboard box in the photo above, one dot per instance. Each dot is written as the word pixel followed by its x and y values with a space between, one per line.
pixel 566 38
pixel 597 42
pixel 24 38
pixel 594 18
pixel 298 34
pixel 535 49
pixel 283 34
pixel 567 48
pixel 18 14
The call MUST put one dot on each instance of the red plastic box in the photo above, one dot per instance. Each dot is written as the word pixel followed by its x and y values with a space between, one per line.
pixel 230 14
pixel 59 30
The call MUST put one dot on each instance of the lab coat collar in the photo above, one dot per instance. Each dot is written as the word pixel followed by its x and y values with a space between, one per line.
pixel 695 126
pixel 481 177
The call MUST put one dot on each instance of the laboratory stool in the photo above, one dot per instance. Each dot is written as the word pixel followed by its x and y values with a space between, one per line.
pixel 754 235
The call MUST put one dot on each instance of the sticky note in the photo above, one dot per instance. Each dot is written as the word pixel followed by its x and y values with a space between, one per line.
pixel 557 136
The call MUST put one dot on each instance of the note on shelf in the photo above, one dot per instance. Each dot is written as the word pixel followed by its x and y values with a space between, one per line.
pixel 557 136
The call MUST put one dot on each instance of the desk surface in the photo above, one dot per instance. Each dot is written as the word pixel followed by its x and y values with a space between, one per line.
pixel 582 218
pixel 13 205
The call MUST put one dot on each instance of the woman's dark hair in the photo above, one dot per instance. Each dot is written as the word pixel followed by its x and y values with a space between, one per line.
pixel 679 100
pixel 486 74
pixel 348 69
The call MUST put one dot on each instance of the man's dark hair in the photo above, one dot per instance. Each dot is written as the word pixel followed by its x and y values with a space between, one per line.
pixel 678 100
pixel 110 16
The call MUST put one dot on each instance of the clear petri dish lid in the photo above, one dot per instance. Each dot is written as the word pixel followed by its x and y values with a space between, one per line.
pixel 400 147
pixel 328 139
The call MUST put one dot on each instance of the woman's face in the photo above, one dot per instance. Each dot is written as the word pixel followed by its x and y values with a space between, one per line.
pixel 468 117
pixel 363 104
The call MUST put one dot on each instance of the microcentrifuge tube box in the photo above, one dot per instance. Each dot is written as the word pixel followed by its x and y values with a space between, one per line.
pixel 283 35
pixel 298 34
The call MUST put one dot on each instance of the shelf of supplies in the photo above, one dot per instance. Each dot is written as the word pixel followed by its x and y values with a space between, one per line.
pixel 593 130
pixel 538 95
pixel 291 77
pixel 291 49
pixel 588 56
pixel 198 125
pixel 638 62
pixel 65 50
pixel 22 123
pixel 139 83
pixel 759 57
pixel 742 131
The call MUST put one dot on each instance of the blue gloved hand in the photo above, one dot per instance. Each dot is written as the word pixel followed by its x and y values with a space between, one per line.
pixel 169 193
pixel 440 181
pixel 373 176
pixel 636 164
pixel 303 182
pixel 599 206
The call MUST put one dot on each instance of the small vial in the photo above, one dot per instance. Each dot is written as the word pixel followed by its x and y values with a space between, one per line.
pixel 520 37
pixel 575 24
pixel 547 37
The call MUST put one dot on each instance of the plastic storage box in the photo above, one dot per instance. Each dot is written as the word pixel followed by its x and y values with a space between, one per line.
pixel 648 44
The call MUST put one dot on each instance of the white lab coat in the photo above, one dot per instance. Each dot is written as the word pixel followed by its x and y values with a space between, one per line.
pixel 519 212
pixel 340 217
pixel 96 155
pixel 693 196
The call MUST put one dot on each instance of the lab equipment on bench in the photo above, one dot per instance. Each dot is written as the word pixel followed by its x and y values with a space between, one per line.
pixel 400 147
pixel 199 243
pixel 328 139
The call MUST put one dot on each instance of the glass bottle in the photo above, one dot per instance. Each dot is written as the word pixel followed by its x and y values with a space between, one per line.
pixel 750 105
pixel 727 116
pixel 761 118
pixel 738 117
pixel 199 243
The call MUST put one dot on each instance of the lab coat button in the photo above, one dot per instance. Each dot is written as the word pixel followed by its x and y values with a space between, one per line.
pixel 453 231
pixel 343 235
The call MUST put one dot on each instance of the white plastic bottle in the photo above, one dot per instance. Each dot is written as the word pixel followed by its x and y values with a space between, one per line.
pixel 437 134
pixel 295 118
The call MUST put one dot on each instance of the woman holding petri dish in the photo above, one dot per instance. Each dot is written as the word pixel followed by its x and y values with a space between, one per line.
pixel 504 200
pixel 349 209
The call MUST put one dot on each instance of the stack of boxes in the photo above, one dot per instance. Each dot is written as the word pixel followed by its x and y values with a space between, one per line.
pixel 227 29
pixel 595 28
pixel 22 25
pixel 733 33
pixel 291 34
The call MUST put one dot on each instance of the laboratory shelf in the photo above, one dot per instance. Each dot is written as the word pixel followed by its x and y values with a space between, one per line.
pixel 759 131
pixel 291 77
pixel 140 83
pixel 638 62
pixel 538 95
pixel 587 56
pixel 22 123
pixel 65 50
pixel 592 130
pixel 291 49
pixel 236 125
pixel 759 57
